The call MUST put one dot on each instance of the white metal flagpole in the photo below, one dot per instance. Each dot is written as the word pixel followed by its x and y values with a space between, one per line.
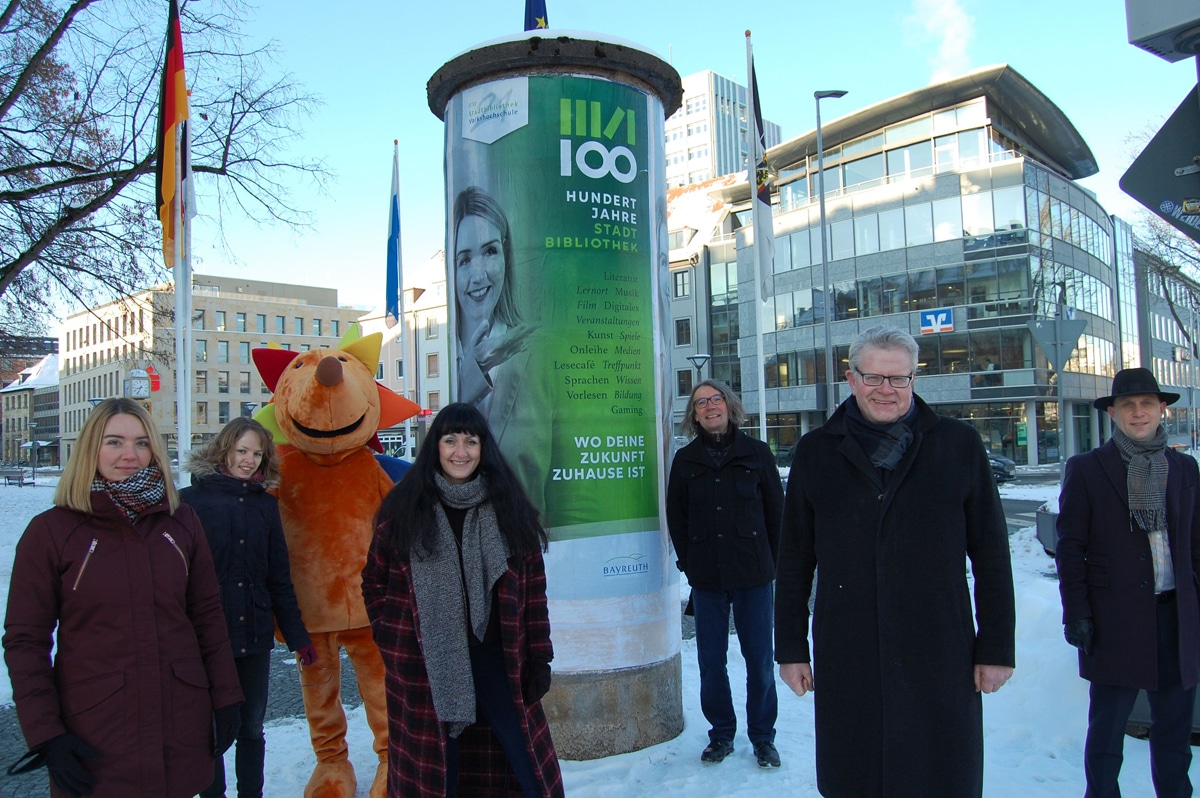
pixel 763 237
pixel 187 209
pixel 182 290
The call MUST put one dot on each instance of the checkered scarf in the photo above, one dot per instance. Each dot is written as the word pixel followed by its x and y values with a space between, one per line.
pixel 1146 467
pixel 141 490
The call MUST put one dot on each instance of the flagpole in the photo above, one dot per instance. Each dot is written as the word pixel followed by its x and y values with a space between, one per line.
pixel 186 212
pixel 759 243
pixel 179 269
pixel 397 264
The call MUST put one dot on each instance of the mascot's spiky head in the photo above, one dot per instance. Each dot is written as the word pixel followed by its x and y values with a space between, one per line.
pixel 326 401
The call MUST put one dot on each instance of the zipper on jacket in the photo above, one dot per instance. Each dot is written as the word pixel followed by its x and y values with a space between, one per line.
pixel 171 540
pixel 83 567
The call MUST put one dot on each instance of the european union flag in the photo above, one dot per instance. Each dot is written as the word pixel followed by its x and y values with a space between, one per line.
pixel 535 15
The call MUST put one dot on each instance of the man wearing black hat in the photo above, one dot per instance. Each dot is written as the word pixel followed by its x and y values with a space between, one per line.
pixel 1128 554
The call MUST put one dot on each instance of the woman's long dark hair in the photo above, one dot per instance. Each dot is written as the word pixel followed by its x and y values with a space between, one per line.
pixel 406 517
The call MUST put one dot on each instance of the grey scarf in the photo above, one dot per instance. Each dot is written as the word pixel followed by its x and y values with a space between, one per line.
pixel 1146 480
pixel 439 577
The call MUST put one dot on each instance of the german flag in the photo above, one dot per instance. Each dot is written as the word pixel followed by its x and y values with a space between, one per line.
pixel 172 110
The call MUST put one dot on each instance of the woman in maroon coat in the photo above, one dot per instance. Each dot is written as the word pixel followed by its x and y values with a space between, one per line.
pixel 455 588
pixel 141 693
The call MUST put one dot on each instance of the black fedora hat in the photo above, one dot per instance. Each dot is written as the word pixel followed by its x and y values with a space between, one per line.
pixel 1130 382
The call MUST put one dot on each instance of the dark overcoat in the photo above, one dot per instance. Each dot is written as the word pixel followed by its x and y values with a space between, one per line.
pixel 241 523
pixel 894 640
pixel 1106 574
pixel 142 654
pixel 724 520
pixel 416 739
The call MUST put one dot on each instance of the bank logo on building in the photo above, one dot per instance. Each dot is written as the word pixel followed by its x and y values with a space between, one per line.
pixel 937 320
pixel 626 565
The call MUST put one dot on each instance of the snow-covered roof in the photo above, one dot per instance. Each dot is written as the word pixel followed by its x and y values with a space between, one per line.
pixel 43 374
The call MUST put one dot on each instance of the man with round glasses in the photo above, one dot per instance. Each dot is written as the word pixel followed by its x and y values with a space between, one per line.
pixel 889 500
pixel 724 506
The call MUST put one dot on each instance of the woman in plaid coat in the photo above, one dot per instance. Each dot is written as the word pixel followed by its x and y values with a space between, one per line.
pixel 455 588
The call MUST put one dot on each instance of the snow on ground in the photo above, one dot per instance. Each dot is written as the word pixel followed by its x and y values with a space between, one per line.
pixel 1034 727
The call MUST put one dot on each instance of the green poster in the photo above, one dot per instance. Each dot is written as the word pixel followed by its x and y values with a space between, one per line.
pixel 552 244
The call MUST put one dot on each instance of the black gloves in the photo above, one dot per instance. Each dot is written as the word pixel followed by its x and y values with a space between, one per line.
pixel 1079 634
pixel 226 722
pixel 61 757
pixel 536 682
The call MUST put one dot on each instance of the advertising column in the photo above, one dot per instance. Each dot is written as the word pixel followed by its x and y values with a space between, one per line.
pixel 556 256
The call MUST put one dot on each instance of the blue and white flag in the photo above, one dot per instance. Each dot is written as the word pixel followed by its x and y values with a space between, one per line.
pixel 393 309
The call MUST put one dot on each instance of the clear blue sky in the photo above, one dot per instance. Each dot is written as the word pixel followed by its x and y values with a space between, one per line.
pixel 369 61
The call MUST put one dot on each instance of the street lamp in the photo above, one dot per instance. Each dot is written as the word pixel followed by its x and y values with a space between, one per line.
pixel 698 361
pixel 825 288
pixel 33 448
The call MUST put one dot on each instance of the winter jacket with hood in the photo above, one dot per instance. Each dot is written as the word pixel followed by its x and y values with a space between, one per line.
pixel 241 522
pixel 140 657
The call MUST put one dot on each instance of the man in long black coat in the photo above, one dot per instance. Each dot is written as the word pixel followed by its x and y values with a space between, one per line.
pixel 889 501
pixel 1128 554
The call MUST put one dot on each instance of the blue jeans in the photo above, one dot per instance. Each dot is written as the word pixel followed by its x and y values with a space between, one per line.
pixel 753 615
pixel 250 752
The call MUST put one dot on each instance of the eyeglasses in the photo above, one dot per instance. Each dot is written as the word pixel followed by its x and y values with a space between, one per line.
pixel 896 381
pixel 716 400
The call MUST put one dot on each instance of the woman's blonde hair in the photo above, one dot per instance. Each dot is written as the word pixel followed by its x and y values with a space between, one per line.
pixel 75 486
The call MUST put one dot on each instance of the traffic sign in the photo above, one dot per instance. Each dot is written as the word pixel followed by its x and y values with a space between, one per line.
pixel 1057 338
pixel 1166 176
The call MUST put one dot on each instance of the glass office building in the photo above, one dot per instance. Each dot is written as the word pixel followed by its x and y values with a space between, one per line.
pixel 959 221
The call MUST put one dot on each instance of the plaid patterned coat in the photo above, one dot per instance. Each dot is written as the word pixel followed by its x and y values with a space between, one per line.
pixel 417 740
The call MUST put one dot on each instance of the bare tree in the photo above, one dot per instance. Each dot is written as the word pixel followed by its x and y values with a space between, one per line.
pixel 78 109
pixel 1173 271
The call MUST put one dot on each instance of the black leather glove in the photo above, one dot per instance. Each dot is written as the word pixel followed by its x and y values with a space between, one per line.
pixel 60 755
pixel 226 722
pixel 536 682
pixel 1079 634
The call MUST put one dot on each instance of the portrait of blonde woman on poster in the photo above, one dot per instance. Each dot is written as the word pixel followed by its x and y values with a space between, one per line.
pixel 115 640
pixel 491 334
pixel 494 341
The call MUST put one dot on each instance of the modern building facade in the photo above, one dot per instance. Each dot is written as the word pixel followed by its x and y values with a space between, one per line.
pixel 231 316
pixel 951 211
pixel 1167 329
pixel 708 136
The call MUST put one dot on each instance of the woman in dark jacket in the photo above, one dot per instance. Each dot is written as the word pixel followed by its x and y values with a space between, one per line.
pixel 455 589
pixel 230 478
pixel 116 582
pixel 724 507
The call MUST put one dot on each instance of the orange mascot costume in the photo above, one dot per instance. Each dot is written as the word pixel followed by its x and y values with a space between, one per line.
pixel 327 408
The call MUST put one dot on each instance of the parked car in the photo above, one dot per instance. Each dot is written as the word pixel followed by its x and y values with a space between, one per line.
pixel 1003 469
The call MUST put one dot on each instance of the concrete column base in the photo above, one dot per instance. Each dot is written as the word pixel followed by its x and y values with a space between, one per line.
pixel 594 714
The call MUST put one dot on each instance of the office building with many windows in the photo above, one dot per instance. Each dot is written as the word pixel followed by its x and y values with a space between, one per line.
pixel 231 316
pixel 951 211
pixel 708 136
